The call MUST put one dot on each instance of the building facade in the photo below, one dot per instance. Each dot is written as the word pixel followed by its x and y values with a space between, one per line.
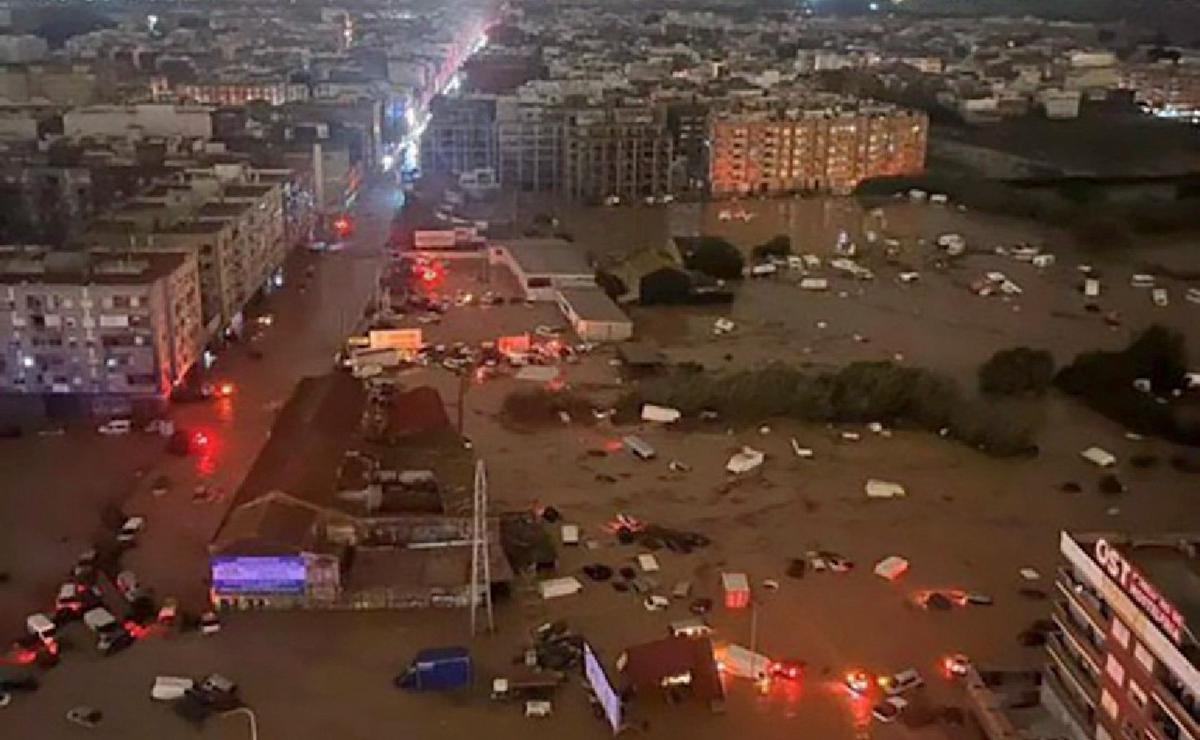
pixel 79 323
pixel 621 152
pixel 818 149
pixel 1127 662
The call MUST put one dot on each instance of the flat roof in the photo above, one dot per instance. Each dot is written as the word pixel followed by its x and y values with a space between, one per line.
pixel 195 227
pixel 222 209
pixel 547 256
pixel 1169 562
pixel 593 304
pixel 1174 572
pixel 85 268
pixel 245 191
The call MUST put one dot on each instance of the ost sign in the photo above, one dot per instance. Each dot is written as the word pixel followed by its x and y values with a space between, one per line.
pixel 1143 593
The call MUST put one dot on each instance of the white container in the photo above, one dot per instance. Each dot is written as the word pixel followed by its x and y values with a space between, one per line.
pixel 1100 457
pixel 556 587
pixel 170 688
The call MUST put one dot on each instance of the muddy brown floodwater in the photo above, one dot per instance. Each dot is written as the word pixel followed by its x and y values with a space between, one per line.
pixel 968 521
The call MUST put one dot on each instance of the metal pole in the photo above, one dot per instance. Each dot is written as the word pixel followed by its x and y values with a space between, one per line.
pixel 249 715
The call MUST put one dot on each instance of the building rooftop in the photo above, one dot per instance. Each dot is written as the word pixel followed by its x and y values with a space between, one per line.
pixel 1173 567
pixel 246 191
pixel 547 256
pixel 222 209
pixel 593 304
pixel 85 268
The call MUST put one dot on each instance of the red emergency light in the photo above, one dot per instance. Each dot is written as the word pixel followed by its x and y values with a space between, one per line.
pixel 342 226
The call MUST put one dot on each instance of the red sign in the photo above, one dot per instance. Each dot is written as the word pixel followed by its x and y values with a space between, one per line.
pixel 1143 593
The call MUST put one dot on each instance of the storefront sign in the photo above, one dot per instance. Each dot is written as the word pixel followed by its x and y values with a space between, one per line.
pixel 259 575
pixel 1160 610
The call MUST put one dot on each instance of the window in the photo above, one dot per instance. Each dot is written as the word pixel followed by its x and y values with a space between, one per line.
pixel 1110 705
pixel 1128 731
pixel 1144 657
pixel 1120 632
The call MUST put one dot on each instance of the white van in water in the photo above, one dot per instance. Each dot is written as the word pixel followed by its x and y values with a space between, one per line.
pixel 638 447
pixel 170 688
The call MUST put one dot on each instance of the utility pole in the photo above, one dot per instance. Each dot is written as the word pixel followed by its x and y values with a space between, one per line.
pixel 481 568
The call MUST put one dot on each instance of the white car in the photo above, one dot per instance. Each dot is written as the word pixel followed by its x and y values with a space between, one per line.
pixel 889 709
pixel 129 530
pixel 115 427
pixel 902 682
pixel 41 626
pixel 210 624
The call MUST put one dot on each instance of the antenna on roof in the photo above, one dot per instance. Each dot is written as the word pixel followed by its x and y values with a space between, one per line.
pixel 481 567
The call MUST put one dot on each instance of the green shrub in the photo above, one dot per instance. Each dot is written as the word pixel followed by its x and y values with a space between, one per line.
pixel 714 257
pixel 1012 372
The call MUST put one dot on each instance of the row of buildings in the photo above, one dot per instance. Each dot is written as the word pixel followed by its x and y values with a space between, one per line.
pixel 595 105
pixel 155 172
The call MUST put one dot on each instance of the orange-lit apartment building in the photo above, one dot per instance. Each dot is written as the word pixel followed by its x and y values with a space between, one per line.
pixel 786 146
pixel 239 92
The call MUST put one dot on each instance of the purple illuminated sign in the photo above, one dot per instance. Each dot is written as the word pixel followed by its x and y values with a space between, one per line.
pixel 259 575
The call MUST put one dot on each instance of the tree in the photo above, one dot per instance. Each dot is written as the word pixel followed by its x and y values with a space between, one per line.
pixel 714 257
pixel 777 246
pixel 1015 371
pixel 665 286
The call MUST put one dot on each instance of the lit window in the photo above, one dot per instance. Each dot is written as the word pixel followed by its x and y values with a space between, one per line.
pixel 1115 670
pixel 1110 706
pixel 1120 633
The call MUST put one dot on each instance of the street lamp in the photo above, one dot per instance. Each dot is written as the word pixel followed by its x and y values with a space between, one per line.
pixel 250 715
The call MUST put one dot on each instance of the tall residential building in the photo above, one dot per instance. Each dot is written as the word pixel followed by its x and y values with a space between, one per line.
pixel 80 323
pixel 529 143
pixel 813 146
pixel 624 152
pixel 233 225
pixel 1123 662
pixel 584 152
pixel 461 136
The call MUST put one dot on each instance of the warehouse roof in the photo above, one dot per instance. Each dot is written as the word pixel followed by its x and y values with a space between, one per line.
pixel 547 256
pixel 592 304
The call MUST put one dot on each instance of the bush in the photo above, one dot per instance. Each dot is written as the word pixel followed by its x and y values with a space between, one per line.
pixel 859 392
pixel 778 246
pixel 714 257
pixel 665 286
pixel 1016 371
pixel 992 429
pixel 541 406
pixel 1104 382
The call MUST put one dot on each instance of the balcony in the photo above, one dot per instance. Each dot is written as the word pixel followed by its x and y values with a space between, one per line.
pixel 1079 634
pixel 1073 669
pixel 1169 704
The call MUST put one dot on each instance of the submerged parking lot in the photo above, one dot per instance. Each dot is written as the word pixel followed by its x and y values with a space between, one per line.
pixel 967 522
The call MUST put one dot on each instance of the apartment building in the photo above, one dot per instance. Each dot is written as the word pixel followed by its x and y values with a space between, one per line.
pixel 236 92
pixel 813 147
pixel 1164 89
pixel 461 136
pixel 1123 662
pixel 235 229
pixel 80 323
pixel 529 144
pixel 139 121
pixel 622 152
